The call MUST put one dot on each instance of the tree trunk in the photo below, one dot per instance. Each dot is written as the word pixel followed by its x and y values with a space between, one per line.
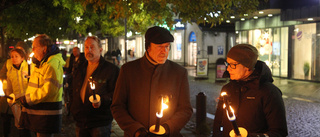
pixel 2 47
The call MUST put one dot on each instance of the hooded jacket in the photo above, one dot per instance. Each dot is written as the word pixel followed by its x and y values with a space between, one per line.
pixel 43 112
pixel 257 103
pixel 138 93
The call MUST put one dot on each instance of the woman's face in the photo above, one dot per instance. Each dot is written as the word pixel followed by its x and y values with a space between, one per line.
pixel 16 58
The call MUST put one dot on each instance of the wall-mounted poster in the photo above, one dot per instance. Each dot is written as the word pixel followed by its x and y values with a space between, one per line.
pixel 202 67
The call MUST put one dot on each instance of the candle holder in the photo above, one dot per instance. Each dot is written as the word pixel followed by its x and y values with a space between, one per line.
pixel 243 133
pixel 161 130
pixel 94 100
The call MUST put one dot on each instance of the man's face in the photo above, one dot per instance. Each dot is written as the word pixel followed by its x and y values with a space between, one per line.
pixel 159 52
pixel 38 50
pixel 76 51
pixel 236 70
pixel 92 50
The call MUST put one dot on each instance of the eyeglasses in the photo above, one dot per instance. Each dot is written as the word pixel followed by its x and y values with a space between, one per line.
pixel 233 66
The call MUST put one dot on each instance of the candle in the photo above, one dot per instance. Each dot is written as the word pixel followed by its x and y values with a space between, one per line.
pixel 92 85
pixel 156 129
pixel 230 113
pixel 29 61
pixel 232 118
pixel 160 115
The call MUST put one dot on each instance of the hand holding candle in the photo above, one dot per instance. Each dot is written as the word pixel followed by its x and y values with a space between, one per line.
pixel 94 99
pixel 236 132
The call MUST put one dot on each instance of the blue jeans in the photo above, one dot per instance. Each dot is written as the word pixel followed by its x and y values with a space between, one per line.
pixel 104 131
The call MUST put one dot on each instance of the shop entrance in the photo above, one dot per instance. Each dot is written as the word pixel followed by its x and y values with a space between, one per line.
pixel 192 49
pixel 192 55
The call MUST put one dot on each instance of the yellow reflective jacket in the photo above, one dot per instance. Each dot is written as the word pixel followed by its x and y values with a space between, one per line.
pixel 44 97
pixel 17 81
pixel 45 84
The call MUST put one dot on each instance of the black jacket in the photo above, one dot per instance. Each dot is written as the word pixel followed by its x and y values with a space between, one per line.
pixel 257 103
pixel 105 77
pixel 73 66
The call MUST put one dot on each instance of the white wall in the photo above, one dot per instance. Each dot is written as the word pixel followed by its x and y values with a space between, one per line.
pixel 214 39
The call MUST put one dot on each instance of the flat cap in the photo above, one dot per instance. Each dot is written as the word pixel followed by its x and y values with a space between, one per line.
pixel 158 35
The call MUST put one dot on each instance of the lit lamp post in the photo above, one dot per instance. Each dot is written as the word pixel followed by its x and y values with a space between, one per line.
pixel 29 61
pixel 237 131
pixel 157 128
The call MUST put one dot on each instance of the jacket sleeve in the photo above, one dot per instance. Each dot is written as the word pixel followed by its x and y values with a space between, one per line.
pixel 49 88
pixel 217 122
pixel 3 71
pixel 119 107
pixel 275 113
pixel 184 110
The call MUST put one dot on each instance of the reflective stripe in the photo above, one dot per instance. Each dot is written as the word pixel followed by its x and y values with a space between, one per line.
pixel 54 82
pixel 42 112
pixel 34 85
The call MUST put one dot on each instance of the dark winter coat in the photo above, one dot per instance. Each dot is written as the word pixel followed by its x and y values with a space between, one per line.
pixel 257 103
pixel 139 87
pixel 105 77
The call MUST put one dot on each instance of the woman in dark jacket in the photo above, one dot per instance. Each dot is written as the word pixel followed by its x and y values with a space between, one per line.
pixel 257 103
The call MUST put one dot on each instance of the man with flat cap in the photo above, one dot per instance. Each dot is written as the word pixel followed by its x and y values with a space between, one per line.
pixel 143 83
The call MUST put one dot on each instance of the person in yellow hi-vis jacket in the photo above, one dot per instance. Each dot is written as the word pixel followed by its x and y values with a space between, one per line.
pixel 17 83
pixel 42 111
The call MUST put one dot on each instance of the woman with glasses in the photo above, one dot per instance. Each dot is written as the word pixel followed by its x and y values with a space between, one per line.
pixel 257 103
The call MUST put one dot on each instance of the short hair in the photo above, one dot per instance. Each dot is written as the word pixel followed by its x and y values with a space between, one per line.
pixel 44 40
pixel 19 51
pixel 95 38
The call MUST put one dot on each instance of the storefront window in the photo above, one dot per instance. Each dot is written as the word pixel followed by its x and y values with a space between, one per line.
pixel 242 37
pixel 304 47
pixel 176 46
pixel 262 40
pixel 284 52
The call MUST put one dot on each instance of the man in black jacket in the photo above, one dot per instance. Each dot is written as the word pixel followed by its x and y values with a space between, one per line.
pixel 76 60
pixel 93 117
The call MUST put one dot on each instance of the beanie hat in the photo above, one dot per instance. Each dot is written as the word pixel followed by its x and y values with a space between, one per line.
pixel 245 54
pixel 157 35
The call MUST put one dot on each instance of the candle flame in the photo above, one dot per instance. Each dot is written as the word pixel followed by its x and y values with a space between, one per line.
pixel 163 107
pixel 1 89
pixel 223 94
pixel 92 85
pixel 31 54
pixel 29 61
pixel 233 116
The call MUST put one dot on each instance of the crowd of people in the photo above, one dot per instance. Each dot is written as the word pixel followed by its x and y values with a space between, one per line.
pixel 137 95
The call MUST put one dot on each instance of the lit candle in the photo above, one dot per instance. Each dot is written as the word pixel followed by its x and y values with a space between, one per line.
pixel 2 92
pixel 229 110
pixel 160 115
pixel 29 61
pixel 233 121
pixel 92 85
